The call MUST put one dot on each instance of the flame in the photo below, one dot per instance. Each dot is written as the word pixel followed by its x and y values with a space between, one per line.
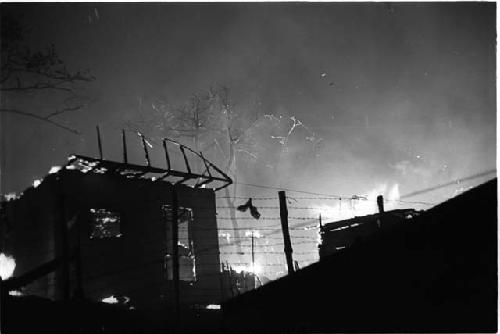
pixel 54 169
pixel 256 269
pixel 256 234
pixel 7 266
pixel 225 235
pixel 349 208
pixel 213 307
pixel 11 196
pixel 110 300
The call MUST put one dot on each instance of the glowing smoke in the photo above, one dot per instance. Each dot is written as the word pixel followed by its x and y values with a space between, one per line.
pixel 393 194
pixel 352 207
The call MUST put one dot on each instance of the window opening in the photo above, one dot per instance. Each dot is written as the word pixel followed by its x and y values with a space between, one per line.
pixel 104 224
pixel 187 260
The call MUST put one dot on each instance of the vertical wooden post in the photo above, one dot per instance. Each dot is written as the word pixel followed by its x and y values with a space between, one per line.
pixel 175 253
pixel 166 154
pixel 253 261
pixel 63 235
pixel 145 146
pixel 221 282
pixel 286 233
pixel 124 142
pixel 186 161
pixel 253 253
pixel 99 143
pixel 380 203
pixel 231 281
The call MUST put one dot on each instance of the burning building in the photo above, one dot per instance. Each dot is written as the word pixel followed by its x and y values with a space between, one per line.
pixel 106 231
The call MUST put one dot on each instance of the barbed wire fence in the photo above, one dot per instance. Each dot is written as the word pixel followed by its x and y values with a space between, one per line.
pixel 261 243
pixel 304 214
pixel 306 209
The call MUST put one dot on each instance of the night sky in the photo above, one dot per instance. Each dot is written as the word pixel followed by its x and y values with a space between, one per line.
pixel 401 94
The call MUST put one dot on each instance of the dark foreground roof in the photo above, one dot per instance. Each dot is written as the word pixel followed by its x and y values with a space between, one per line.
pixel 437 274
pixel 400 213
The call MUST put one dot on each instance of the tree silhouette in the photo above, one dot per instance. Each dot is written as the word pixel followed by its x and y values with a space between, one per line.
pixel 27 74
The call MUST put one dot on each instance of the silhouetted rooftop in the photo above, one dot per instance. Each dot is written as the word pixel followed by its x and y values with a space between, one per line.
pixel 435 274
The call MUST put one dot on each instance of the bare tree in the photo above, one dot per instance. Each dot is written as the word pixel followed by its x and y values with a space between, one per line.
pixel 234 131
pixel 255 136
pixel 214 123
pixel 27 74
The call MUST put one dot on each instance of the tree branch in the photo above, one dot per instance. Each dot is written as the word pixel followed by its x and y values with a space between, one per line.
pixel 35 87
pixel 61 111
pixel 247 152
pixel 41 118
pixel 62 76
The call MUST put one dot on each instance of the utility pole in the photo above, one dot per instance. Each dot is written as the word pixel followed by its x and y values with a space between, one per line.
pixel 286 233
pixel 175 254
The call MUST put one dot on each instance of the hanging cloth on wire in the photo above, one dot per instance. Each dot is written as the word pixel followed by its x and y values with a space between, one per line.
pixel 248 205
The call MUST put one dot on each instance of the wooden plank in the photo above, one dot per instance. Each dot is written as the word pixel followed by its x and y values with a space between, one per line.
pixel 286 232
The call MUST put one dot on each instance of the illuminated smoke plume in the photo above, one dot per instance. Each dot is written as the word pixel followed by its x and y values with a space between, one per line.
pixel 359 206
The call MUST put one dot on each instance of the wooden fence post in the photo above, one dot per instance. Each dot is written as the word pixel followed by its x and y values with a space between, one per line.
pixel 99 142
pixel 124 143
pixel 380 203
pixel 286 233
